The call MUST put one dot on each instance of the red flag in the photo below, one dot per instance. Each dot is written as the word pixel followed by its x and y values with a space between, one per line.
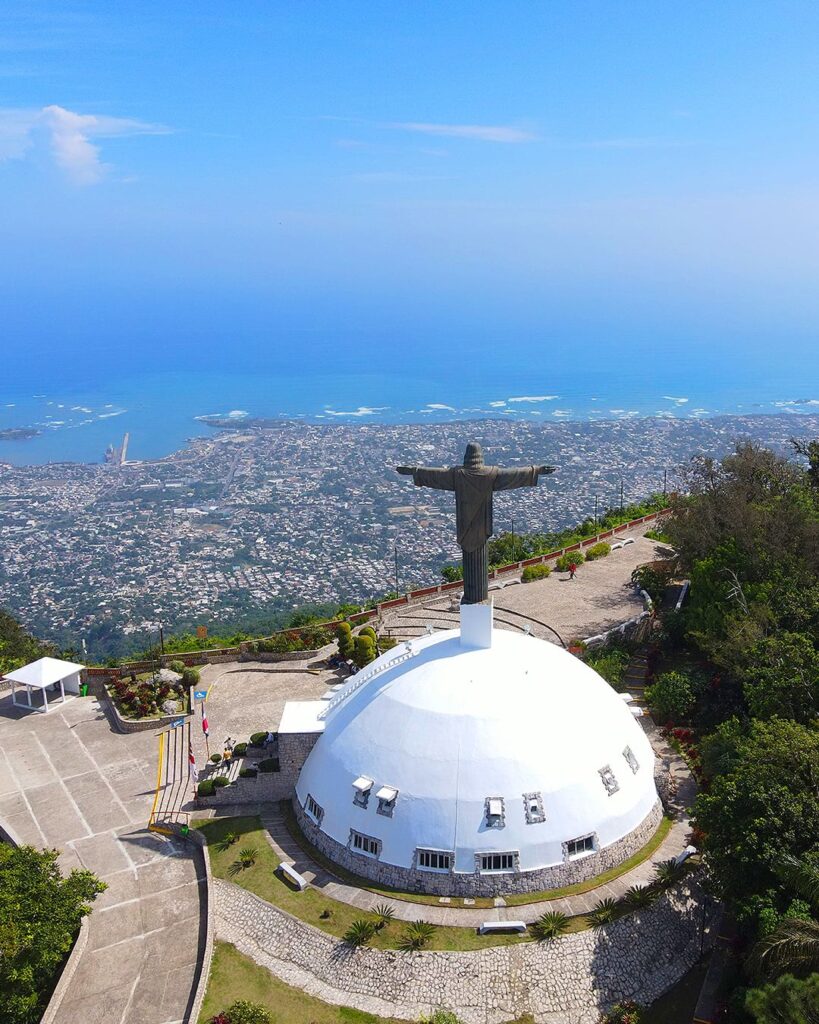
pixel 204 721
pixel 192 764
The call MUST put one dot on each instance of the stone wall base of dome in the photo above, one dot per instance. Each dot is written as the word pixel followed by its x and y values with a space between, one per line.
pixel 471 885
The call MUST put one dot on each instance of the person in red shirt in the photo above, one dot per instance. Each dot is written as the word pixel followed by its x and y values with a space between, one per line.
pixel 572 571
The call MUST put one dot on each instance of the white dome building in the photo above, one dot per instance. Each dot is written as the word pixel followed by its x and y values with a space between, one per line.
pixel 475 762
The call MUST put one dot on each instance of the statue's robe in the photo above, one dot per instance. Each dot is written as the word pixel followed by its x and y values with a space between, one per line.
pixel 473 495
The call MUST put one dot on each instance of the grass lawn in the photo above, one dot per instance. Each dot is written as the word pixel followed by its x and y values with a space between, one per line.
pixel 333 916
pixel 310 905
pixel 234 976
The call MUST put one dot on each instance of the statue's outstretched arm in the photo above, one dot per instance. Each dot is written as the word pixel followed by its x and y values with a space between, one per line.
pixel 439 477
pixel 525 476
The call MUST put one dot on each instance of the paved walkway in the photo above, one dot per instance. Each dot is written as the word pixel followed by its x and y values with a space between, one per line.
pixel 68 780
pixel 287 849
pixel 600 597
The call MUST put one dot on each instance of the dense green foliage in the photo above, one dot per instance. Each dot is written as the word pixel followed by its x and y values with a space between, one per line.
pixel 788 1001
pixel 243 1012
pixel 40 914
pixel 17 647
pixel 742 662
pixel 598 550
pixel 535 572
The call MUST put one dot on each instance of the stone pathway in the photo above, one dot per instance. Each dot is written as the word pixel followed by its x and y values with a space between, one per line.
pixel 69 781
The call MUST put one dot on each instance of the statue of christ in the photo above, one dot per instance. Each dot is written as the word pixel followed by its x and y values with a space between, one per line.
pixel 474 484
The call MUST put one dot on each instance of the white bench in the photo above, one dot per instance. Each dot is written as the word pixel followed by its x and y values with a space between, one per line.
pixel 491 927
pixel 293 876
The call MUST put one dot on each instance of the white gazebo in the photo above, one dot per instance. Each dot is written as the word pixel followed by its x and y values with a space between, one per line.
pixel 44 675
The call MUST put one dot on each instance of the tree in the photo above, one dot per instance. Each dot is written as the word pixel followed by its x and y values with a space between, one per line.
pixel 364 651
pixel 345 640
pixel 793 945
pixel 787 1001
pixel 764 805
pixel 783 679
pixel 673 696
pixel 40 913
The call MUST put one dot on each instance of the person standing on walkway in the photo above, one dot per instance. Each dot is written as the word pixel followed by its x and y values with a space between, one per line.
pixel 572 571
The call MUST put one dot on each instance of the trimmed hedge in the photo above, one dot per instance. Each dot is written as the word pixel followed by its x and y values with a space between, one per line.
pixel 257 739
pixel 270 764
pixel 239 750
pixel 247 773
pixel 535 572
pixel 221 781
pixel 563 563
pixel 205 787
pixel 599 550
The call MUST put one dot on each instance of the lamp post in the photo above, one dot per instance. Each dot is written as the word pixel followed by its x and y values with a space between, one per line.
pixel 395 558
pixel 621 494
pixel 595 512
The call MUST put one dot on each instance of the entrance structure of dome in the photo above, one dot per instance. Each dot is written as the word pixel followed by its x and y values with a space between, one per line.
pixel 478 761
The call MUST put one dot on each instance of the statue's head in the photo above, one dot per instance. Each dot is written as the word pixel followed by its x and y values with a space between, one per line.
pixel 473 457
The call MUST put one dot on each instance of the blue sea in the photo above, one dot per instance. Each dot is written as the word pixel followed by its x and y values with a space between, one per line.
pixel 81 405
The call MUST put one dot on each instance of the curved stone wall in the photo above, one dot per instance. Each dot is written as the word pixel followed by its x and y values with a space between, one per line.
pixel 462 884
pixel 565 981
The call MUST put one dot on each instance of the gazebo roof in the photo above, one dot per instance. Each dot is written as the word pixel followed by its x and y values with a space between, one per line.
pixel 44 672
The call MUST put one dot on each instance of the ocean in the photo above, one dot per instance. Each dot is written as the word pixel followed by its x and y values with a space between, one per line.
pixel 80 408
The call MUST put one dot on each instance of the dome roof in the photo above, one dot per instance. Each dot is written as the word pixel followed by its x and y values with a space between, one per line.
pixel 517 746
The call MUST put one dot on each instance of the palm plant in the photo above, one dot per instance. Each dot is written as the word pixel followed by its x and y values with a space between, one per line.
pixel 247 856
pixel 603 913
pixel 360 932
pixel 639 896
pixel 416 936
pixel 793 946
pixel 227 840
pixel 383 913
pixel 550 925
pixel 667 872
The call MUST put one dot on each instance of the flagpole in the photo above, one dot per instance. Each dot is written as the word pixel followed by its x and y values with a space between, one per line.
pixel 205 729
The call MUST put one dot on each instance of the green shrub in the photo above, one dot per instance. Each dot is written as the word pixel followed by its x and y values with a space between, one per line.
pixel 345 640
pixel 637 897
pixel 368 631
pixel 598 551
pixel 221 781
pixel 658 535
pixel 360 932
pixel 627 1012
pixel 550 925
pixel 673 697
pixel 247 856
pixel 239 750
pixel 562 564
pixel 244 1012
pixel 535 572
pixel 603 913
pixel 177 666
pixel 247 773
pixel 440 1017
pixel 190 676
pixel 383 913
pixel 270 764
pixel 216 758
pixel 416 936
pixel 364 650
pixel 257 739
pixel 205 787
pixel 386 643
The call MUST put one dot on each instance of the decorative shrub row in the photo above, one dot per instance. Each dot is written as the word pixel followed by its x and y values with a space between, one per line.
pixel 599 550
pixel 535 572
pixel 570 558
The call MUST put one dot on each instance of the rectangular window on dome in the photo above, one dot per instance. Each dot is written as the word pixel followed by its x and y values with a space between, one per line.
pixel 631 760
pixel 533 808
pixel 497 862
pixel 580 847
pixel 434 860
pixel 365 844
pixel 609 780
pixel 494 811
pixel 314 810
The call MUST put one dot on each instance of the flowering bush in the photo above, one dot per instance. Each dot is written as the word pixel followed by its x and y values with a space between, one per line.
pixel 627 1012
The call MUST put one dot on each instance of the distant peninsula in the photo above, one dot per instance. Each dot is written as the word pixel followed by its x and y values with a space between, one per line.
pixel 18 433
pixel 240 422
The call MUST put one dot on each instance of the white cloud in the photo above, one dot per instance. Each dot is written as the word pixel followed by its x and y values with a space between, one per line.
pixel 497 405
pixel 69 138
pixel 437 406
pixel 678 401
pixel 477 132
pixel 534 398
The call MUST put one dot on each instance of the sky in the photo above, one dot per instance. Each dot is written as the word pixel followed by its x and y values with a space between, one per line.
pixel 222 182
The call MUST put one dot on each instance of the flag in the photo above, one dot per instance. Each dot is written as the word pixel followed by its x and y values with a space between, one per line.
pixel 204 720
pixel 192 764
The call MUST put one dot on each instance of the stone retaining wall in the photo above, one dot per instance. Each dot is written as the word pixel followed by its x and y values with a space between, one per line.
pixel 565 981
pixel 462 884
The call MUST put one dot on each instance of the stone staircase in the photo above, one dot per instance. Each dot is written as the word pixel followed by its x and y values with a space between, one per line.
pixel 635 676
